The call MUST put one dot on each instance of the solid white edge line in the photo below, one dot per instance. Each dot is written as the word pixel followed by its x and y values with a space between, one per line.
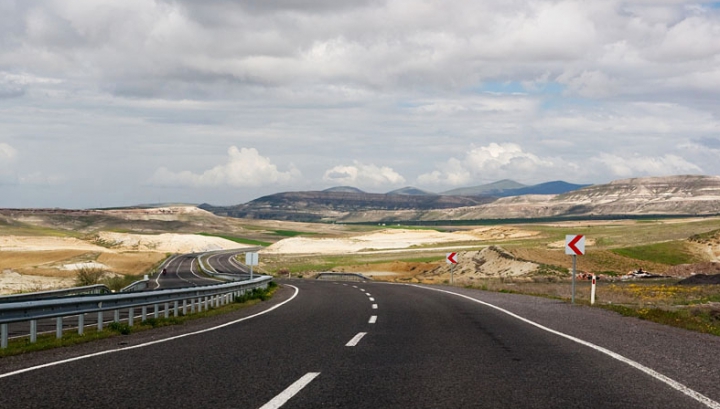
pixel 657 375
pixel 291 391
pixel 373 319
pixel 356 339
pixel 159 341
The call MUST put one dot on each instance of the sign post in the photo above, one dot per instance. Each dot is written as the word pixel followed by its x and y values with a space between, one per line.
pixel 251 259
pixel 451 258
pixel 574 246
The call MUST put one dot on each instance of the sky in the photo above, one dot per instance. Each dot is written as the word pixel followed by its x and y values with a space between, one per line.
pixel 121 102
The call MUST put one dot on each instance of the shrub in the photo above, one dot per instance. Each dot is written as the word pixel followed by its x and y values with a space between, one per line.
pixel 116 283
pixel 120 327
pixel 88 276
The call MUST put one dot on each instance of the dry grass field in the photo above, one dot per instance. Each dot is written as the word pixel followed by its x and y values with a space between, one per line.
pixel 524 258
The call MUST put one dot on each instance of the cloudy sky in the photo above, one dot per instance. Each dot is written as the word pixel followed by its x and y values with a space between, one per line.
pixel 120 102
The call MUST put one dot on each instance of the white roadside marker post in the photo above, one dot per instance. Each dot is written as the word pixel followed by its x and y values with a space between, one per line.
pixel 592 290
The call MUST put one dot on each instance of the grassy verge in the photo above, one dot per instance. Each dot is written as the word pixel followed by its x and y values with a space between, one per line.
pixel 693 308
pixel 292 233
pixel 671 253
pixel 694 319
pixel 240 240
pixel 48 341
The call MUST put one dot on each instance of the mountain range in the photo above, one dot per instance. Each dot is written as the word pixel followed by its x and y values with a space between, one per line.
pixel 505 199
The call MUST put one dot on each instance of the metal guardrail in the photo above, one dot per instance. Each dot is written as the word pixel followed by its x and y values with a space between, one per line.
pixel 194 298
pixel 137 286
pixel 65 292
pixel 342 276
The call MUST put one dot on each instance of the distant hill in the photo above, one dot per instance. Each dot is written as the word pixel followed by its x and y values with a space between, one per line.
pixel 333 205
pixel 549 188
pixel 672 195
pixel 411 191
pixel 343 189
pixel 490 189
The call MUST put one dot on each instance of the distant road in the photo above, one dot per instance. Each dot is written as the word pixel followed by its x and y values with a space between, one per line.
pixel 376 345
pixel 184 270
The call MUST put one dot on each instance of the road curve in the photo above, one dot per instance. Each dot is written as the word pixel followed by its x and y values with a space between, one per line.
pixel 375 345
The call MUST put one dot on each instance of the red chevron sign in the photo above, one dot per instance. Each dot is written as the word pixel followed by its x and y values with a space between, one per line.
pixel 451 258
pixel 575 244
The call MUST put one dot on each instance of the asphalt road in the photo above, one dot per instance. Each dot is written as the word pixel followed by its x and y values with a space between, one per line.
pixel 182 271
pixel 375 345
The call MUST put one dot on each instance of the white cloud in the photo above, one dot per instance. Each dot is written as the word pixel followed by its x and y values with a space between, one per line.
pixel 7 153
pixel 363 175
pixel 636 165
pixel 244 168
pixel 7 163
pixel 40 179
pixel 491 162
pixel 319 83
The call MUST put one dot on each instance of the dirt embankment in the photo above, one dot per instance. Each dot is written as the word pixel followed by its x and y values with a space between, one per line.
pixel 393 239
pixel 29 263
pixel 491 262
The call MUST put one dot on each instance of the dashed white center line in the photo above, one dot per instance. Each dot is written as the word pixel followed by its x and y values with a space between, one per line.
pixel 368 294
pixel 373 319
pixel 291 391
pixel 356 339
pixel 372 299
pixel 362 290
pixel 354 286
pixel 374 306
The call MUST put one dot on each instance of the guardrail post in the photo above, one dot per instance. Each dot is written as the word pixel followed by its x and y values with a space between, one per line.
pixel 58 327
pixel 117 316
pixel 166 311
pixel 81 324
pixel 192 305
pixel 3 336
pixel 131 316
pixel 33 331
pixel 156 311
pixel 207 303
pixel 184 307
pixel 175 309
pixel 143 313
pixel 100 321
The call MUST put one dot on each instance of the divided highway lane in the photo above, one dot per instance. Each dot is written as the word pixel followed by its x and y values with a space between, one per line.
pixel 225 262
pixel 358 345
pixel 182 271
